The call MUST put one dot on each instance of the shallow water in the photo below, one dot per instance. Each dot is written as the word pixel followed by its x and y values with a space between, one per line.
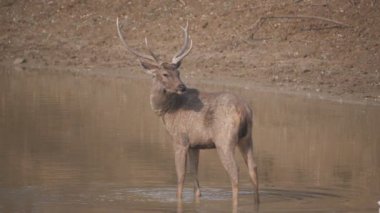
pixel 90 143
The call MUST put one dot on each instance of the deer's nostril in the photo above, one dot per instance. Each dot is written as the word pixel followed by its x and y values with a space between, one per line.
pixel 182 88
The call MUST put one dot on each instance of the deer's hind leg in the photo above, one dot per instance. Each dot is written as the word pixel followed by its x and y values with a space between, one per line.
pixel 245 147
pixel 193 167
pixel 226 152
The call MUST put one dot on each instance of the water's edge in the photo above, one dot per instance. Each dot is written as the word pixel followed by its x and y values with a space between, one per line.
pixel 136 73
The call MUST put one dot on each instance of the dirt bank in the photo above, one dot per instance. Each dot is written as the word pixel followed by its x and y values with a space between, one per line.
pixel 321 46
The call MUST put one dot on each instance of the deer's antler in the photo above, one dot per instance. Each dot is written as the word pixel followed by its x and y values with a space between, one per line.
pixel 187 45
pixel 151 57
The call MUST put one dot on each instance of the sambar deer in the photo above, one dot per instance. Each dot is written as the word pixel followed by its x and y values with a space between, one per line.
pixel 198 120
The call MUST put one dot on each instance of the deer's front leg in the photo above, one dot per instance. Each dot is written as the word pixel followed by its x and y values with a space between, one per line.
pixel 193 164
pixel 180 164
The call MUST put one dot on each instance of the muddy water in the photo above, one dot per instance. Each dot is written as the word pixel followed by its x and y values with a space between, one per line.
pixel 89 143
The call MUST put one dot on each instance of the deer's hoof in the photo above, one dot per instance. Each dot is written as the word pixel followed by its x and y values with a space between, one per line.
pixel 198 193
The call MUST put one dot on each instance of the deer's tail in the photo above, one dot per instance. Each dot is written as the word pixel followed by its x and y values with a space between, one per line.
pixel 245 127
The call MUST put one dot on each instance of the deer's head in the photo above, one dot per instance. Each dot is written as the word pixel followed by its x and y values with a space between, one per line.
pixel 165 75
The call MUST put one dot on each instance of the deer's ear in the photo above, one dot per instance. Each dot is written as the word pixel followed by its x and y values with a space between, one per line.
pixel 148 67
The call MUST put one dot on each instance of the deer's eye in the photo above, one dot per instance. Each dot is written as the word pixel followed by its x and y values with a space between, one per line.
pixel 165 75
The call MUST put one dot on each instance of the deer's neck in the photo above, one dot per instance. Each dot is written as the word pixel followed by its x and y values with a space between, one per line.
pixel 163 102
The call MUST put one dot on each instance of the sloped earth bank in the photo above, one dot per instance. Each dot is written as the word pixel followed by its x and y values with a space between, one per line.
pixel 317 46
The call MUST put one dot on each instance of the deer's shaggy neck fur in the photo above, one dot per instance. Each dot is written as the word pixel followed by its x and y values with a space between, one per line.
pixel 162 101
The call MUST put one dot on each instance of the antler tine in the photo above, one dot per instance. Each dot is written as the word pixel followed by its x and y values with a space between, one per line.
pixel 150 51
pixel 185 50
pixel 151 57
pixel 183 55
